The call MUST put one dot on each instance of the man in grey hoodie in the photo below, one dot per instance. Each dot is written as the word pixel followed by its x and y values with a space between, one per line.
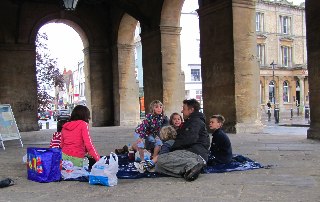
pixel 190 151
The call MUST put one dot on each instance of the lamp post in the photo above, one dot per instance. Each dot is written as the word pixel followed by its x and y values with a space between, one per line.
pixel 276 111
pixel 70 5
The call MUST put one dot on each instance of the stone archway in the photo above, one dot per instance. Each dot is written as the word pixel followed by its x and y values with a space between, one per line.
pixel 126 91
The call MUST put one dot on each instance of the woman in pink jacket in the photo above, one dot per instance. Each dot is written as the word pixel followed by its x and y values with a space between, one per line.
pixel 76 141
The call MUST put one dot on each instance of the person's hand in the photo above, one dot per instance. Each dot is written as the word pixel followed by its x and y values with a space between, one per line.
pixel 139 140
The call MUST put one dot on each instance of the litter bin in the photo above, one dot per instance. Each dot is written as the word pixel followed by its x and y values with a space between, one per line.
pixel 47 125
pixel 306 112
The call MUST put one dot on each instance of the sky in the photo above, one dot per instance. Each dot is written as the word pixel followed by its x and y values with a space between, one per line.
pixel 65 44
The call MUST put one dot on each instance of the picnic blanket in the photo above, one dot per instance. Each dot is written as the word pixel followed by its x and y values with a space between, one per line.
pixel 127 169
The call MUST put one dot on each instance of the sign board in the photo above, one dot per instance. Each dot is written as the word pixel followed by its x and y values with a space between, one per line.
pixel 8 125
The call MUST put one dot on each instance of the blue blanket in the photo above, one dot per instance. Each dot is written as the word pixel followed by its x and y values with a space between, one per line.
pixel 127 169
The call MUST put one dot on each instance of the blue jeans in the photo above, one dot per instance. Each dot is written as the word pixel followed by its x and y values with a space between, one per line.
pixel 154 140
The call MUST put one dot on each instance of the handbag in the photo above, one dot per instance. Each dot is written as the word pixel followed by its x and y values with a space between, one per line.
pixel 104 171
pixel 44 164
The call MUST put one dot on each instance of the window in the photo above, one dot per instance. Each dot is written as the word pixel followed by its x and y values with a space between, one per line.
pixel 285 24
pixel 285 91
pixel 261 54
pixel 259 22
pixel 199 95
pixel 195 74
pixel 286 56
pixel 272 91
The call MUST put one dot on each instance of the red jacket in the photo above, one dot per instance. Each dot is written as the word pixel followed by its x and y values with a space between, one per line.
pixel 76 140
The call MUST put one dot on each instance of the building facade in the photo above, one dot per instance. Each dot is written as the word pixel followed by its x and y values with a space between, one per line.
pixel 281 55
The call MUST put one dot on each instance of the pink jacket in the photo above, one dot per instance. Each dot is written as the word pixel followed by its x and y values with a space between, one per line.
pixel 76 140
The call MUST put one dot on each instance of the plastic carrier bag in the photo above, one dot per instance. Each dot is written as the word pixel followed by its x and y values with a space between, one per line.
pixel 71 172
pixel 44 164
pixel 104 172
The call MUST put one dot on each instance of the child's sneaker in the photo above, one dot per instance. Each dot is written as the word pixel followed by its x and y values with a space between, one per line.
pixel 140 166
pixel 149 164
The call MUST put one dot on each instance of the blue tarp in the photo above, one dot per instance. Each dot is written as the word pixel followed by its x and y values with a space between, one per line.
pixel 127 169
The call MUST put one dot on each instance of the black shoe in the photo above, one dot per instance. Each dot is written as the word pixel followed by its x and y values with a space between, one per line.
pixel 6 182
pixel 193 173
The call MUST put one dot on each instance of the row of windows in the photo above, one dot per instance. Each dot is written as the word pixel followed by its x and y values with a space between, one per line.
pixel 285 54
pixel 286 92
pixel 285 23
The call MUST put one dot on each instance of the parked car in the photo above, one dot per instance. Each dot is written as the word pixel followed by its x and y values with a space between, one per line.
pixel 63 114
pixel 44 115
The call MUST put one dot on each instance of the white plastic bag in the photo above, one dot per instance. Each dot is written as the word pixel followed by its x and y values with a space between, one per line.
pixel 105 171
pixel 70 172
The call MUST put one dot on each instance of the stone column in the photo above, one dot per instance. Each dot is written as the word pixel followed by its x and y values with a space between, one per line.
pixel 173 89
pixel 313 50
pixel 128 89
pixel 18 84
pixel 302 97
pixel 99 85
pixel 229 66
pixel 152 66
pixel 280 95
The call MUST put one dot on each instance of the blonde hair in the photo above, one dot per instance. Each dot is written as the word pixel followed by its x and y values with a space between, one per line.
pixel 153 103
pixel 168 133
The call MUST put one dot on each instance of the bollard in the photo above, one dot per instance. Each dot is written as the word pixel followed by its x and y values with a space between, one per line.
pixel 276 115
pixel 269 114
pixel 47 125
pixel 298 111
pixel 306 112
pixel 291 111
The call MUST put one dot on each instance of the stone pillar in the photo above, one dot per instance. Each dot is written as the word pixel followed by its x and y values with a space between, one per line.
pixel 229 66
pixel 280 95
pixel 152 67
pixel 99 85
pixel 128 89
pixel 18 83
pixel 173 91
pixel 313 50
pixel 302 97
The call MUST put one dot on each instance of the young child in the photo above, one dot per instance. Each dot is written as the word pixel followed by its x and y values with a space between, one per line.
pixel 176 120
pixel 148 130
pixel 56 136
pixel 76 141
pixel 220 149
pixel 167 135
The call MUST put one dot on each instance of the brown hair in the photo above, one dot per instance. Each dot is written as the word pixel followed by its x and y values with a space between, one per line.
pixel 171 117
pixel 168 133
pixel 80 112
pixel 192 103
pixel 219 117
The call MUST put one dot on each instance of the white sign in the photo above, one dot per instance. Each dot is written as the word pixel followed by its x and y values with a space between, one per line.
pixel 8 125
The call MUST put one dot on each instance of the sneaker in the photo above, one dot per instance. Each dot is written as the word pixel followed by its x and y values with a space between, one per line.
pixel 193 173
pixel 140 166
pixel 149 164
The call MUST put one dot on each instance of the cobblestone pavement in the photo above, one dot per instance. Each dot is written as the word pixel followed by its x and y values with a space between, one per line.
pixel 294 173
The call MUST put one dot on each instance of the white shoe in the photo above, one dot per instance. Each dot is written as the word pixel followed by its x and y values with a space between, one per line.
pixel 140 166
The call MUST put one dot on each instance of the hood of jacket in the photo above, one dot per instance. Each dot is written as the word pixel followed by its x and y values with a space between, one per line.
pixel 199 115
pixel 72 125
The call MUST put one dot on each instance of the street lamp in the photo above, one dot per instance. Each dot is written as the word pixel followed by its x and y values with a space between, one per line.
pixel 70 5
pixel 276 111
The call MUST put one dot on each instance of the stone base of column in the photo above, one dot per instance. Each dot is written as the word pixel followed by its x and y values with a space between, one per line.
pixel 130 122
pixel 256 127
pixel 313 133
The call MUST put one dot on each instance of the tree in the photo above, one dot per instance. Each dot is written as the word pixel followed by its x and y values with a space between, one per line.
pixel 48 74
